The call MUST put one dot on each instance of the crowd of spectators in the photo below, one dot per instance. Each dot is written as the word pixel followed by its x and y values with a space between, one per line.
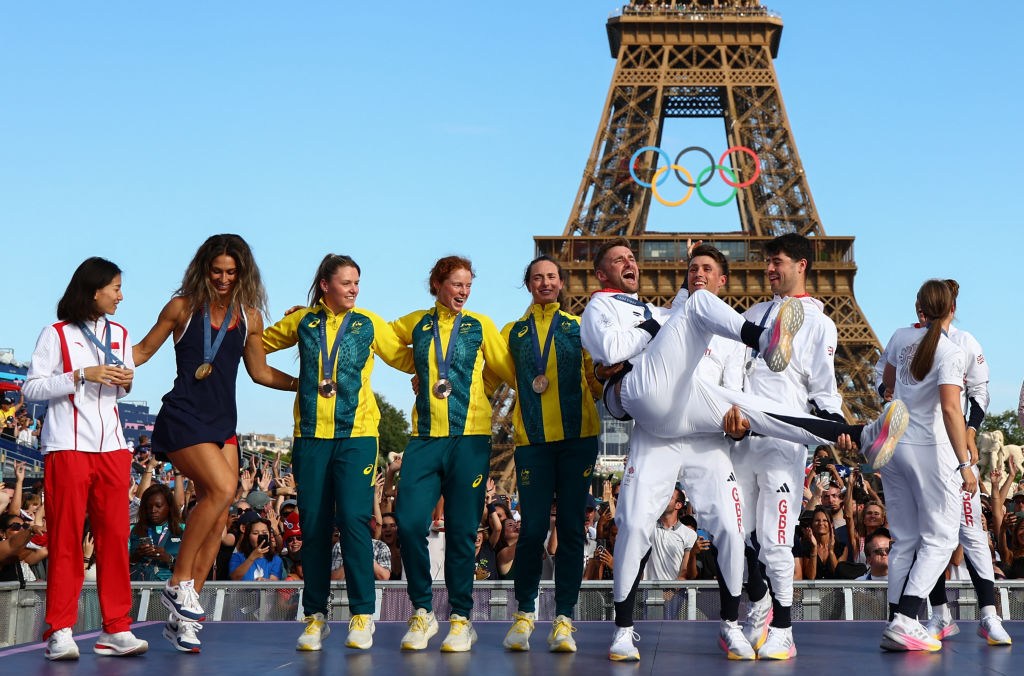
pixel 841 532
pixel 17 425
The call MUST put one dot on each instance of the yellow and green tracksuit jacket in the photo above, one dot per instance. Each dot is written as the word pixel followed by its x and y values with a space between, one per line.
pixel 353 411
pixel 566 410
pixel 479 363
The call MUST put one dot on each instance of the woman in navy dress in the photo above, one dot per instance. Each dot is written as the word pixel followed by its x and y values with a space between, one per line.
pixel 216 317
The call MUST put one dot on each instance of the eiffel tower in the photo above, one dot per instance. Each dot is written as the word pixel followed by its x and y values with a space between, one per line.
pixel 709 59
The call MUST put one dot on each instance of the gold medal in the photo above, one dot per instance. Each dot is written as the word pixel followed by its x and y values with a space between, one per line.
pixel 327 388
pixel 204 371
pixel 442 388
pixel 540 384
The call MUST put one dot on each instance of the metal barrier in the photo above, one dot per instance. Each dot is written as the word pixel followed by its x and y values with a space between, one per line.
pixel 22 610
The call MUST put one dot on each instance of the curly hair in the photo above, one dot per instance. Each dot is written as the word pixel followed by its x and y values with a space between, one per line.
pixel 198 289
pixel 443 269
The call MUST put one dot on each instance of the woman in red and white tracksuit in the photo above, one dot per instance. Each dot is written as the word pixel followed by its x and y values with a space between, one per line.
pixel 82 365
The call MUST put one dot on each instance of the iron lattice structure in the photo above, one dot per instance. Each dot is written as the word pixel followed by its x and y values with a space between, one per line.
pixel 709 58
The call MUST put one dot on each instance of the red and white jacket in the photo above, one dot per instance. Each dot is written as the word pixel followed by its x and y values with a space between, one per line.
pixel 79 417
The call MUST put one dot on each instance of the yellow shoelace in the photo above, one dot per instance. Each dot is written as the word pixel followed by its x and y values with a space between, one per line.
pixel 359 622
pixel 313 625
pixel 563 629
pixel 418 623
pixel 458 625
pixel 522 623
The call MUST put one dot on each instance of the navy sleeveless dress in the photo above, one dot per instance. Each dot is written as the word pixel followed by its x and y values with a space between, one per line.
pixel 200 411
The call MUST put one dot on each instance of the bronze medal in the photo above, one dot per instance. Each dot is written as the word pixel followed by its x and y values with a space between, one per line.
pixel 540 384
pixel 442 388
pixel 327 388
pixel 204 371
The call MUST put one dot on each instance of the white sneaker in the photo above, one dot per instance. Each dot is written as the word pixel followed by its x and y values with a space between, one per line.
pixel 779 645
pixel 622 649
pixel 422 625
pixel 941 626
pixel 759 615
pixel 518 637
pixel 560 639
pixel 878 438
pixel 183 634
pixel 991 629
pixel 317 629
pixel 360 632
pixel 733 642
pixel 906 633
pixel 778 340
pixel 121 644
pixel 461 636
pixel 183 600
pixel 61 646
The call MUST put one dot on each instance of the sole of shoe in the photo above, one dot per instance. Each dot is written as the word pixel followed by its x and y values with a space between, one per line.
pixel 355 643
pixel 517 647
pixel 562 647
pixel 615 657
pixel 897 417
pixel 908 643
pixel 732 655
pixel 63 657
pixel 788 322
pixel 992 641
pixel 778 656
pixel 172 637
pixel 946 632
pixel 111 651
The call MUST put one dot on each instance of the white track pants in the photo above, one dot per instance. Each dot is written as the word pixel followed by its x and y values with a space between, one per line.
pixel 771 477
pixel 663 396
pixel 972 536
pixel 703 467
pixel 923 502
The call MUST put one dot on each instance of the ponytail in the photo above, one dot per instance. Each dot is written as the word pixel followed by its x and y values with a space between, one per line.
pixel 935 301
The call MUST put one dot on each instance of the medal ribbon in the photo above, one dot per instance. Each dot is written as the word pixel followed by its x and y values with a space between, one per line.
pixel 445 360
pixel 210 350
pixel 104 348
pixel 541 359
pixel 328 361
pixel 634 301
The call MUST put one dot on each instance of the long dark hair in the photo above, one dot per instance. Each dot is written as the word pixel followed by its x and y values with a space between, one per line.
pixel 328 266
pixel 78 303
pixel 174 520
pixel 197 288
pixel 935 302
pixel 245 545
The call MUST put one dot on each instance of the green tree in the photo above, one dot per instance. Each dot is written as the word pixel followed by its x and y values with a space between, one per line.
pixel 393 428
pixel 1007 423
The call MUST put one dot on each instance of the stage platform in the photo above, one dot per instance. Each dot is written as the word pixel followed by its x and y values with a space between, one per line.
pixel 267 648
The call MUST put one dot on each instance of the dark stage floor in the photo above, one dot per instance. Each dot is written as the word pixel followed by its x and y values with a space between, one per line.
pixel 266 649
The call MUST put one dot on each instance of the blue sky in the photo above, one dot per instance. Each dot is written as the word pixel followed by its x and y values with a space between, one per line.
pixel 400 132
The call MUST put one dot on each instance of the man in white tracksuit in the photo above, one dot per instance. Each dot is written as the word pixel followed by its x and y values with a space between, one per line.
pixel 771 471
pixel 669 403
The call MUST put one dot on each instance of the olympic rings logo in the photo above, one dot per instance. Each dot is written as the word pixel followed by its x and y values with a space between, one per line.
pixel 703 178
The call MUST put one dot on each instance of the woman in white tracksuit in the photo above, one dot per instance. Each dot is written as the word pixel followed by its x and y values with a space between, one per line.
pixel 924 369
